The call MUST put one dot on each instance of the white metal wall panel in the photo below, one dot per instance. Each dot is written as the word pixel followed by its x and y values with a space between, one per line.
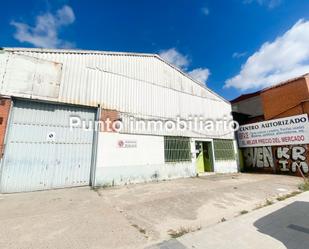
pixel 136 84
pixel 32 161
pixel 28 76
pixel 3 65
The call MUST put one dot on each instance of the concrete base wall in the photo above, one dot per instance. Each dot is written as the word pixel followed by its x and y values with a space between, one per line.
pixel 121 175
pixel 226 166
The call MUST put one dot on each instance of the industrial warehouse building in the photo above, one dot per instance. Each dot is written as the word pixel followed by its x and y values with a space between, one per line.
pixel 42 89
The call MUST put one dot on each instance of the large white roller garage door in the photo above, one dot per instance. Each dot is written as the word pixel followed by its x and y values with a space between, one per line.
pixel 42 152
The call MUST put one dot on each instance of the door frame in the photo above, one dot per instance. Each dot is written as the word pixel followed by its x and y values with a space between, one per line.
pixel 94 153
pixel 6 135
pixel 94 139
pixel 209 140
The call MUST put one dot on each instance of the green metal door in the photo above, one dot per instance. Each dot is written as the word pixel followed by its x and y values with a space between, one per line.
pixel 203 157
pixel 200 158
pixel 207 157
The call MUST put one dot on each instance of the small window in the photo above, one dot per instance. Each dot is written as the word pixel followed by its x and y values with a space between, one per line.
pixel 177 149
pixel 224 149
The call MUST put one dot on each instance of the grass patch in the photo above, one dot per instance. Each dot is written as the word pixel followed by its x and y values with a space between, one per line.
pixel 304 186
pixel 141 230
pixel 181 231
pixel 284 197
pixel 258 207
pixel 267 203
pixel 97 190
pixel 244 212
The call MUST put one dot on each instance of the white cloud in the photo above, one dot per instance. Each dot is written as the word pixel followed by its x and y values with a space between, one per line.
pixel 269 3
pixel 174 57
pixel 205 11
pixel 238 55
pixel 45 32
pixel 200 74
pixel 181 61
pixel 284 58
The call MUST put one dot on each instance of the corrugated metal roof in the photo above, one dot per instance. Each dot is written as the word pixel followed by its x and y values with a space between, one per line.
pixel 80 51
pixel 74 51
pixel 245 96
pixel 135 84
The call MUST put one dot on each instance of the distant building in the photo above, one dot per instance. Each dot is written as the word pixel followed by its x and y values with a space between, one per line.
pixel 275 134
pixel 248 108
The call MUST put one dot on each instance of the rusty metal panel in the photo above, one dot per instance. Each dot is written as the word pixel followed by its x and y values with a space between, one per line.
pixel 42 152
pixel 28 76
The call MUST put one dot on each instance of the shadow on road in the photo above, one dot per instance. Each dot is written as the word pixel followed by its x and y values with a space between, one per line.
pixel 290 225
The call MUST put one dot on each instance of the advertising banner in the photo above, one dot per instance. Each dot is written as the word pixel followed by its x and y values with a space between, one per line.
pixel 283 131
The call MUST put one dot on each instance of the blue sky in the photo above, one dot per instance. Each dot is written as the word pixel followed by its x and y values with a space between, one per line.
pixel 235 46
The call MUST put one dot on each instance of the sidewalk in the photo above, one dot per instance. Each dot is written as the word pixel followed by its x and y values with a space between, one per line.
pixel 282 225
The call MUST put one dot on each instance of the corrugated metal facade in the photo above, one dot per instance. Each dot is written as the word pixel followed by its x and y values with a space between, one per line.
pixel 133 86
pixel 136 84
pixel 42 152
pixel 29 76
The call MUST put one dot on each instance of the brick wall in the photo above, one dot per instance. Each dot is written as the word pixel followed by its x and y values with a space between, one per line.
pixel 108 117
pixel 297 110
pixel 306 107
pixel 285 98
pixel 5 105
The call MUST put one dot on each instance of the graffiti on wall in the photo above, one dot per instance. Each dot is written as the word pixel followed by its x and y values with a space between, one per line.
pixel 285 159
pixel 260 157
pixel 290 159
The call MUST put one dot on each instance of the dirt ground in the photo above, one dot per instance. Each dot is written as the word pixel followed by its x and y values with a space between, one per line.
pixel 132 216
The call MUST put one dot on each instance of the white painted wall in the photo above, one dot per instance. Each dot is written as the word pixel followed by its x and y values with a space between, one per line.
pixel 228 166
pixel 145 162
pixel 148 150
